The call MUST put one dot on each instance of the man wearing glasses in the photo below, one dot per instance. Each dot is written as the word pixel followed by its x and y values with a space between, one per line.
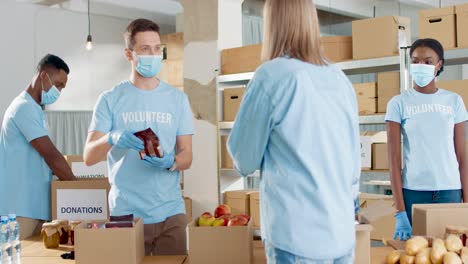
pixel 147 188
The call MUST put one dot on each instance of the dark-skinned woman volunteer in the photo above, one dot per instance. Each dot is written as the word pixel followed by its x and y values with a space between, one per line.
pixel 295 110
pixel 432 122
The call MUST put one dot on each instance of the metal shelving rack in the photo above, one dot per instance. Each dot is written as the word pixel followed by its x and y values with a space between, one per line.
pixel 393 63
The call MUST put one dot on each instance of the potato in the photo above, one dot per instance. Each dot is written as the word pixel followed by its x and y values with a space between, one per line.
pixel 415 245
pixel 453 243
pixel 405 259
pixel 393 257
pixel 452 258
pixel 438 251
pixel 424 257
pixel 464 255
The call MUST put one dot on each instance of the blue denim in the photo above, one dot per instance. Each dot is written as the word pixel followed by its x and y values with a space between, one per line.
pixel 278 256
pixel 411 197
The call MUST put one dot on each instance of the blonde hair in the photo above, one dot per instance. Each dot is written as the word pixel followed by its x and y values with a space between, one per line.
pixel 291 27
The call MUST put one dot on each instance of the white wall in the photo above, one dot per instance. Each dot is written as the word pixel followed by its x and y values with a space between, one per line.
pixel 31 31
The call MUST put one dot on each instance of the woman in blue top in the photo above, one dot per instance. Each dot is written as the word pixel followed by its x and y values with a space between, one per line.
pixel 298 124
pixel 432 122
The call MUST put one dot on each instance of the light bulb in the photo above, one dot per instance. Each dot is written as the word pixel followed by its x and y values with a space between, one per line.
pixel 89 43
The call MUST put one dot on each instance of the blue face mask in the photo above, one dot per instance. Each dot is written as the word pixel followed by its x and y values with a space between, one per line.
pixel 50 96
pixel 149 66
pixel 422 74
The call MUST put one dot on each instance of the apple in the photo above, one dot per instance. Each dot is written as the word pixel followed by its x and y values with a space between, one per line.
pixel 245 216
pixel 238 221
pixel 222 210
pixel 220 222
pixel 206 219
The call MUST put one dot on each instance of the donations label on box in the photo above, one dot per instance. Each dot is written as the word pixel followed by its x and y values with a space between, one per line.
pixel 83 204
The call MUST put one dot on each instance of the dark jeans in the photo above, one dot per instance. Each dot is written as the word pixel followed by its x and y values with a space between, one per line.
pixel 429 197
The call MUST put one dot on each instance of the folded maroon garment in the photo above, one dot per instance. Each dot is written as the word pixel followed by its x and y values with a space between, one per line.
pixel 151 141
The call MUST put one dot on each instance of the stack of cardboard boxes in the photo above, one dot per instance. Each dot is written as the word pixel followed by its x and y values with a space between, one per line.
pixel 374 150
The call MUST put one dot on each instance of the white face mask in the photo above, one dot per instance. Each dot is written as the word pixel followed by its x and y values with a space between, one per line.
pixel 422 74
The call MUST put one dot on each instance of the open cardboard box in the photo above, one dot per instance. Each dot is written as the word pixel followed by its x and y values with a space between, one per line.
pixel 220 244
pixel 80 170
pixel 362 250
pixel 378 211
pixel 109 245
pixel 432 219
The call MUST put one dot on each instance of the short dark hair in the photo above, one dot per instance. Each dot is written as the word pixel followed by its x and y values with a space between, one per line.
pixel 432 44
pixel 53 61
pixel 136 26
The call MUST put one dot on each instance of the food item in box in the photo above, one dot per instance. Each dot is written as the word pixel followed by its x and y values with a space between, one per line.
pixel 151 142
pixel 453 243
pixel 393 257
pixel 424 257
pixel 438 251
pixel 452 258
pixel 238 221
pixel 119 224
pixel 73 225
pixel 459 231
pixel 464 255
pixel 222 210
pixel 206 219
pixel 406 259
pixel 415 245
pixel 117 218
pixel 50 235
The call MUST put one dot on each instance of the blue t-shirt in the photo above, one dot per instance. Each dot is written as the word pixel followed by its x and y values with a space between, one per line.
pixel 427 124
pixel 147 192
pixel 24 176
pixel 298 123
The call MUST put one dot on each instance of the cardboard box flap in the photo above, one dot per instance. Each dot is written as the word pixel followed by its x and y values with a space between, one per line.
pixel 375 211
pixel 461 9
pixel 335 39
pixel 364 227
pixel 438 12
pixel 255 195
pixel 238 194
pixel 374 196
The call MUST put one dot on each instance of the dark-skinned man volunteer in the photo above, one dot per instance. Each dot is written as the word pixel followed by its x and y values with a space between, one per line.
pixel 27 155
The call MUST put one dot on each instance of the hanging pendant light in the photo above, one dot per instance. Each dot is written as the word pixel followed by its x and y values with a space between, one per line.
pixel 89 39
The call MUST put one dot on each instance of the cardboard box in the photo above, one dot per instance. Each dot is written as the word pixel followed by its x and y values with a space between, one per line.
pixel 80 170
pixel 432 219
pixel 188 208
pixel 462 20
pixel 172 72
pixel 339 48
pixel 367 139
pixel 232 100
pixel 378 37
pixel 459 87
pixel 174 45
pixel 164 259
pixel 226 161
pixel 80 200
pixel 388 86
pixel 379 156
pixel 239 201
pixel 363 245
pixel 242 59
pixel 255 208
pixel 366 94
pixel 111 245
pixel 439 23
pixel 220 244
pixel 378 211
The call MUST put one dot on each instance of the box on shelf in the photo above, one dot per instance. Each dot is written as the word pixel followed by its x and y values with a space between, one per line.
pixel 255 208
pixel 379 37
pixel 388 86
pixel 363 244
pixel 109 245
pixel 459 87
pixel 232 100
pixel 432 219
pixel 378 211
pixel 379 156
pixel 220 244
pixel 174 45
pixel 172 72
pixel 80 200
pixel 240 60
pixel 439 23
pixel 239 201
pixel 226 161
pixel 80 170
pixel 367 139
pixel 366 94
pixel 337 48
pixel 188 208
pixel 462 20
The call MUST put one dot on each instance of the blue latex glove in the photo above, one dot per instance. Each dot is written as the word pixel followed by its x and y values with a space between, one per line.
pixel 125 139
pixel 403 228
pixel 163 163
pixel 356 205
